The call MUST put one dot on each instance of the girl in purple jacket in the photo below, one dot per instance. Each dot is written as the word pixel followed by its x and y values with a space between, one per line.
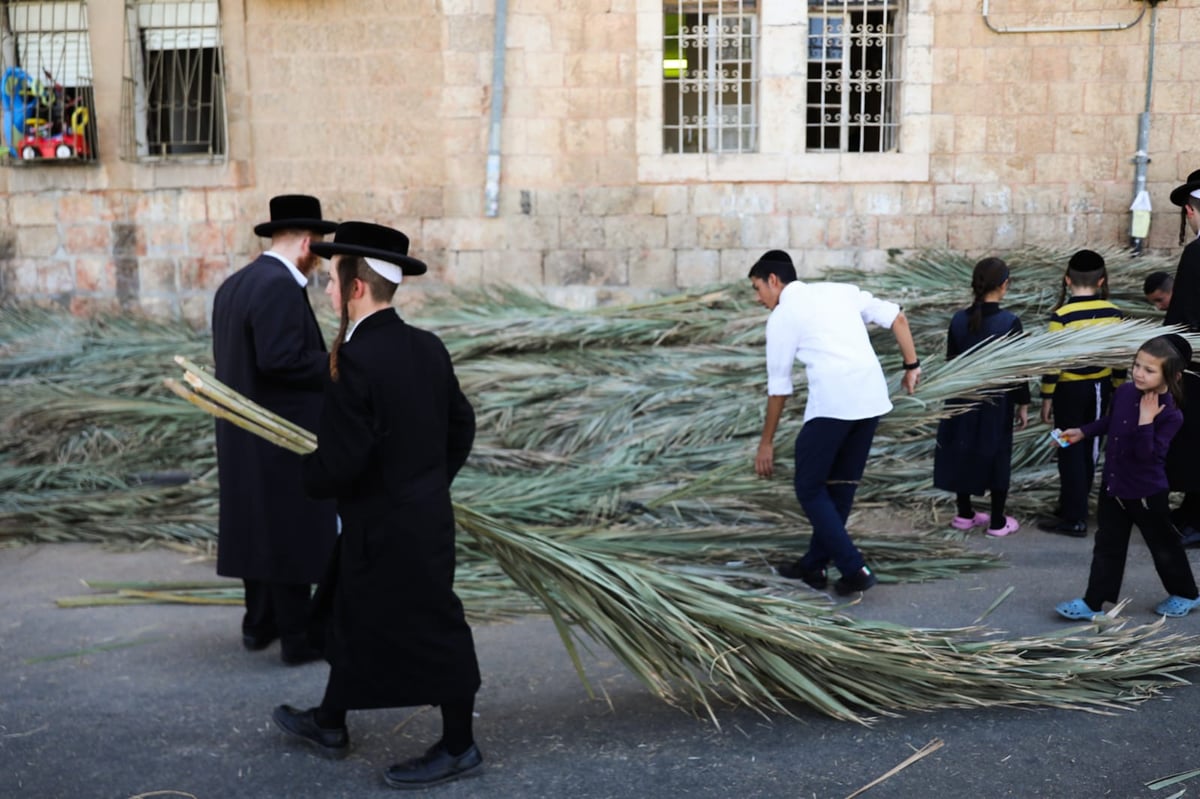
pixel 1142 420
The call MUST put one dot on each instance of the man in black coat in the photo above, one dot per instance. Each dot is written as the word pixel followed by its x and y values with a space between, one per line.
pixel 267 346
pixel 394 431
pixel 1183 471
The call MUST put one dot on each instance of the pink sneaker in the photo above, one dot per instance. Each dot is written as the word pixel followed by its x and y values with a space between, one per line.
pixel 963 523
pixel 1010 526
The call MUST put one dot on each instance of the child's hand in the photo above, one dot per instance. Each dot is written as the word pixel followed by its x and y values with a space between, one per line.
pixel 1022 417
pixel 1047 413
pixel 1149 407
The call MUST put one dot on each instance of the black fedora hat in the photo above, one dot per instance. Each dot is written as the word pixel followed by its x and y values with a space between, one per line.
pixel 1181 194
pixel 295 212
pixel 370 241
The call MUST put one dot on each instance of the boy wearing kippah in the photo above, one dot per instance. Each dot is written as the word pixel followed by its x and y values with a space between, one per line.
pixel 824 325
pixel 1077 395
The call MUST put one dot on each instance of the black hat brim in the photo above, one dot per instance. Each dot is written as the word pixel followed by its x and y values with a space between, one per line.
pixel 407 264
pixel 268 229
pixel 1181 195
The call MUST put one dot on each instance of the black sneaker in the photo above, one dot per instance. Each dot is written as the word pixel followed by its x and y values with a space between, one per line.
pixel 1063 527
pixel 861 580
pixel 813 578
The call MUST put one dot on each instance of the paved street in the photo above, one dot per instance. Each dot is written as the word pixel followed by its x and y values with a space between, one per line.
pixel 117 702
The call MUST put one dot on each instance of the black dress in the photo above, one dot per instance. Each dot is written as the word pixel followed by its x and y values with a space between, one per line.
pixel 974 448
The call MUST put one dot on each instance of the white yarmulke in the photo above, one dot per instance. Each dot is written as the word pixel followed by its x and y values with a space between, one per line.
pixel 388 271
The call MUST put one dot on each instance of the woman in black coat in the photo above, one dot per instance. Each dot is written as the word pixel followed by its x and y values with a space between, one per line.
pixel 394 431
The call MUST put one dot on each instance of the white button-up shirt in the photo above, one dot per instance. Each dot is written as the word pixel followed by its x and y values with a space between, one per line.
pixel 824 326
pixel 296 273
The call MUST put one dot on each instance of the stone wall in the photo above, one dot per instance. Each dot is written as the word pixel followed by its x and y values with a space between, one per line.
pixel 380 107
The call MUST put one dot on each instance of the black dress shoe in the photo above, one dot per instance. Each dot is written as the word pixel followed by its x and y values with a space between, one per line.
pixel 1062 527
pixel 813 578
pixel 256 641
pixel 330 742
pixel 434 767
pixel 861 580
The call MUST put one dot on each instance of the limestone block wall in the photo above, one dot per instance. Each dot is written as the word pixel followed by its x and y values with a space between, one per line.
pixel 380 107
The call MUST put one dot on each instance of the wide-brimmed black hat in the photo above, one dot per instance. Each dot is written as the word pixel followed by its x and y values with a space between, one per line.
pixel 1181 194
pixel 295 212
pixel 370 241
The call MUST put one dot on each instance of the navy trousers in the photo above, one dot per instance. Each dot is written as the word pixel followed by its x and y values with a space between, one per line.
pixel 831 455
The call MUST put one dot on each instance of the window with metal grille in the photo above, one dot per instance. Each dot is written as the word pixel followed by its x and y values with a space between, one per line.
pixel 46 93
pixel 710 76
pixel 173 99
pixel 853 75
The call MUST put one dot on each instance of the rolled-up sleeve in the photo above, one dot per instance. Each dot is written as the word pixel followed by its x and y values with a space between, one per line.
pixel 872 309
pixel 781 354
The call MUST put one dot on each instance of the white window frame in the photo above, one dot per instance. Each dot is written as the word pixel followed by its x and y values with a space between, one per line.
pixel 165 25
pixel 726 127
pixel 781 155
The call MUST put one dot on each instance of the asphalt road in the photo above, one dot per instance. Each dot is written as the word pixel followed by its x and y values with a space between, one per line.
pixel 120 702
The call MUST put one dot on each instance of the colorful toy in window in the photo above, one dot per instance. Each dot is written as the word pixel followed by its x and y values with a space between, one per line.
pixel 41 142
pixel 18 103
pixel 52 125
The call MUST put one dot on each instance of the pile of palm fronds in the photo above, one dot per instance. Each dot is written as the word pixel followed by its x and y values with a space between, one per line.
pixel 612 476
pixel 695 639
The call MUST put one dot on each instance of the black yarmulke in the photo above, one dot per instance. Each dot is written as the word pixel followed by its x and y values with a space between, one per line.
pixel 1086 261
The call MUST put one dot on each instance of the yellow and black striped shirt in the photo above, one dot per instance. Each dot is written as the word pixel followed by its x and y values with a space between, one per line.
pixel 1080 313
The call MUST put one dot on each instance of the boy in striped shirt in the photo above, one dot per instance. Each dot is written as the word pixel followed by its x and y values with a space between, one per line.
pixel 1076 395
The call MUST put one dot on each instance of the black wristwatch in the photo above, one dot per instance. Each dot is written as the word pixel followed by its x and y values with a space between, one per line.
pixel 914 365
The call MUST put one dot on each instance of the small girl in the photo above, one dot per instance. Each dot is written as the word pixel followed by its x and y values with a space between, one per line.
pixel 1143 419
pixel 974 448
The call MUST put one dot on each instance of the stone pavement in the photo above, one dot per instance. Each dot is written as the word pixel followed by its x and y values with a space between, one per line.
pixel 118 702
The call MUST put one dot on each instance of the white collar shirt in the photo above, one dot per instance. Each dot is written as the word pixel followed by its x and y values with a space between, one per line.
pixel 296 273
pixel 824 326
pixel 354 325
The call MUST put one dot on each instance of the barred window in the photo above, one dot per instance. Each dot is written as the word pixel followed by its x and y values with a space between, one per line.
pixel 173 101
pixel 46 93
pixel 710 76
pixel 853 75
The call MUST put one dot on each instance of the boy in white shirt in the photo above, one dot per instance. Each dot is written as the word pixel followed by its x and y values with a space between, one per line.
pixel 824 325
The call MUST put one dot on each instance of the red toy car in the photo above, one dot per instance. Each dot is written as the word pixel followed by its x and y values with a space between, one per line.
pixel 38 143
pixel 63 145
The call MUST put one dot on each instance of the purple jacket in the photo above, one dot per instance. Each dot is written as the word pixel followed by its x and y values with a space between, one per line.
pixel 1136 454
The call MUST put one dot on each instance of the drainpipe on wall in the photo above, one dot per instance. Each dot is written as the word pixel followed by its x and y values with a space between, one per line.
pixel 1139 225
pixel 499 46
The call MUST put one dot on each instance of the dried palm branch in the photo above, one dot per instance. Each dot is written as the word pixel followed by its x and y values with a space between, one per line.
pixel 696 641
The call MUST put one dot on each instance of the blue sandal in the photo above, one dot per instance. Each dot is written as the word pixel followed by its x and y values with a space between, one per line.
pixel 1078 610
pixel 1176 606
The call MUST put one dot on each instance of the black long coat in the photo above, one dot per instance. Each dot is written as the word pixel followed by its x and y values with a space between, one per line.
pixel 395 430
pixel 1183 464
pixel 267 345
pixel 974 448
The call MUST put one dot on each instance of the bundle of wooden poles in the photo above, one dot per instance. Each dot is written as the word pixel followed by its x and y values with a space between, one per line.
pixel 612 483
